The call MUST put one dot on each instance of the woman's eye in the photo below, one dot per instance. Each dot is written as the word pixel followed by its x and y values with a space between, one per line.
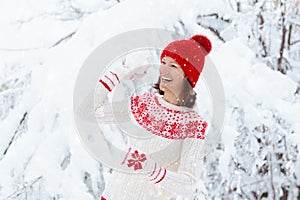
pixel 163 62
pixel 174 66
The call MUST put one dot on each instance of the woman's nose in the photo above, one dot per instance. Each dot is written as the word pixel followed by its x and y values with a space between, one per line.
pixel 163 68
pixel 165 65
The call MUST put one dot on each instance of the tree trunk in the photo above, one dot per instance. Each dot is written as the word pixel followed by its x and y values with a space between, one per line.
pixel 280 66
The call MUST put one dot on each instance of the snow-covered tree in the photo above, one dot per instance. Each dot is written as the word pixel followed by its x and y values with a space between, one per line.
pixel 264 163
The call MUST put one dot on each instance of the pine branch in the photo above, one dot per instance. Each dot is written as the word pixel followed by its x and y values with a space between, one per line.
pixel 216 16
pixel 215 31
pixel 63 39
pixel 24 188
pixel 21 123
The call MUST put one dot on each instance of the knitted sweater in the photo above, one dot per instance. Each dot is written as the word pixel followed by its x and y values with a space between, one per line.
pixel 166 122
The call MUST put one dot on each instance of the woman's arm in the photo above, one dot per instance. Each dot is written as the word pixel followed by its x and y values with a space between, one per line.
pixel 110 112
pixel 94 108
pixel 115 111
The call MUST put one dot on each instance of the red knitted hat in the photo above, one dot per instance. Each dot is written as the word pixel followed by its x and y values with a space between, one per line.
pixel 189 54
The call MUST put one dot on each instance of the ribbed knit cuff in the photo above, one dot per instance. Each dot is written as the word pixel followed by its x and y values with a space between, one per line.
pixel 158 174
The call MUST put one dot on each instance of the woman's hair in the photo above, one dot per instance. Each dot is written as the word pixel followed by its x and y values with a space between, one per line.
pixel 187 97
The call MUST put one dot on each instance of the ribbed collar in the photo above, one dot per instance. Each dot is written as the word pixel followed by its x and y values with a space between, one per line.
pixel 163 103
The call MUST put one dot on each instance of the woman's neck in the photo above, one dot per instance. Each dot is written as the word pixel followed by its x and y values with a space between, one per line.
pixel 171 98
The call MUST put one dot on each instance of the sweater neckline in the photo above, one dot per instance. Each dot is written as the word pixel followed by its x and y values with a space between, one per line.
pixel 169 106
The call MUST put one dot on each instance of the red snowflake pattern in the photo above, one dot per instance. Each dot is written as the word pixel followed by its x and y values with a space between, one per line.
pixel 166 122
pixel 176 129
pixel 136 160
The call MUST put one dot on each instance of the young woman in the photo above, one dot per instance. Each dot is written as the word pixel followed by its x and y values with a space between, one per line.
pixel 169 115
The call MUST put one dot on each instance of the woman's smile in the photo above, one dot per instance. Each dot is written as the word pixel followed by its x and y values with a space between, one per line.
pixel 166 79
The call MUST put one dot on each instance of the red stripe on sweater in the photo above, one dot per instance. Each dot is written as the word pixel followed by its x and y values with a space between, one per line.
pixel 126 156
pixel 153 170
pixel 162 177
pixel 105 85
pixel 156 175
pixel 115 75
pixel 110 80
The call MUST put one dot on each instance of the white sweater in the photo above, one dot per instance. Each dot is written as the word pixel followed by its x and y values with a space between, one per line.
pixel 181 177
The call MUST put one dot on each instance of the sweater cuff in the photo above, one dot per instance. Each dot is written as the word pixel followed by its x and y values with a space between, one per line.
pixel 158 174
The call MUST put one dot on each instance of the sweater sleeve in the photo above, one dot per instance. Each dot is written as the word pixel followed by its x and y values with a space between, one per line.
pixel 115 74
pixel 185 181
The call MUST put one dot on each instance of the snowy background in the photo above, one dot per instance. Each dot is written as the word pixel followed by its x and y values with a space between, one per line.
pixel 256 49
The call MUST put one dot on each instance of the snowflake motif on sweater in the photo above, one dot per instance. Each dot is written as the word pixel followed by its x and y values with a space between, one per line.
pixel 166 122
pixel 136 160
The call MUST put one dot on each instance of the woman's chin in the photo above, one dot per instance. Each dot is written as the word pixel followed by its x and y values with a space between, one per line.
pixel 165 88
pixel 162 87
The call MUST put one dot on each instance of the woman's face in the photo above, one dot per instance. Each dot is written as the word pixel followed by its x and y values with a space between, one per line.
pixel 171 76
